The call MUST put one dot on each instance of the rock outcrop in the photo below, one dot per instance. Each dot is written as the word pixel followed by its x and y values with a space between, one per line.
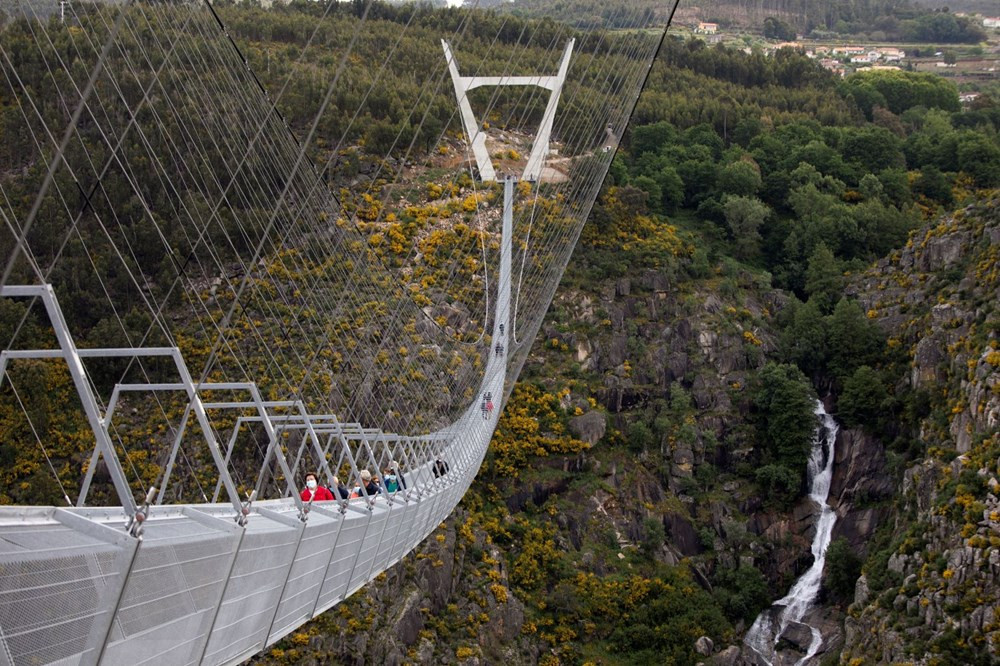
pixel 930 589
pixel 861 482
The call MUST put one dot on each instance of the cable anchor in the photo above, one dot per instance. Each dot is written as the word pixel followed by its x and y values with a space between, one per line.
pixel 244 514
pixel 135 523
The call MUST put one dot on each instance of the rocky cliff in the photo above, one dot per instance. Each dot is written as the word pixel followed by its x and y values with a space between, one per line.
pixel 931 585
pixel 617 499
pixel 618 508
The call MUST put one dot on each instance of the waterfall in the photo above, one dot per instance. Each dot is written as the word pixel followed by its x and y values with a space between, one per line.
pixel 770 624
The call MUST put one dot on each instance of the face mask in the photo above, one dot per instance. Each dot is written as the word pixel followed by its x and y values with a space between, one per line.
pixel 311 484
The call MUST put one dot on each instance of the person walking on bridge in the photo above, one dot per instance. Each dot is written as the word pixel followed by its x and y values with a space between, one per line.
pixel 341 490
pixel 313 492
pixel 370 484
pixel 390 480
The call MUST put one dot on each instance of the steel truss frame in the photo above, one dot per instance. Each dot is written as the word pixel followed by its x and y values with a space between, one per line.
pixel 474 129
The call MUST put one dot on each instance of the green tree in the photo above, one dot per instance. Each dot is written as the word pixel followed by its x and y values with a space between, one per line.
pixel 744 217
pixel 640 437
pixel 824 278
pixel 804 340
pixel 979 156
pixel 652 189
pixel 705 135
pixel 871 187
pixel 896 186
pixel 882 227
pixel 740 178
pixel 782 402
pixel 874 148
pixel 902 90
pixel 942 27
pixel 853 339
pixel 842 570
pixel 671 188
pixel 618 171
pixel 742 592
pixel 775 28
pixel 653 536
pixel 779 485
pixel 651 138
pixel 934 185
pixel 863 398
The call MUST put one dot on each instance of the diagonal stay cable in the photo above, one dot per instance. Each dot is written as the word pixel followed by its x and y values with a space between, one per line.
pixel 60 151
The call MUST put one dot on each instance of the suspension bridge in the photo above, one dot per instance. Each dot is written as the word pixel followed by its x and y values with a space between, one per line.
pixel 197 306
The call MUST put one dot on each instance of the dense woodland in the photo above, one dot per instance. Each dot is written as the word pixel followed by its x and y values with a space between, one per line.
pixel 892 20
pixel 742 176
pixel 809 179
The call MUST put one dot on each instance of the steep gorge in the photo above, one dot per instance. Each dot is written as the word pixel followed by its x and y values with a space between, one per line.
pixel 651 370
pixel 658 346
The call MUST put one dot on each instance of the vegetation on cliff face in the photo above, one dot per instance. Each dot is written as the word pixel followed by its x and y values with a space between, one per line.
pixel 931 582
pixel 669 351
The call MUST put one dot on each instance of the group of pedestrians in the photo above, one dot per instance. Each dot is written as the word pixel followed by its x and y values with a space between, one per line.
pixel 369 485
pixel 392 480
pixel 487 404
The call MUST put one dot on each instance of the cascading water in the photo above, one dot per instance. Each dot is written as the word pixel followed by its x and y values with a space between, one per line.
pixel 769 625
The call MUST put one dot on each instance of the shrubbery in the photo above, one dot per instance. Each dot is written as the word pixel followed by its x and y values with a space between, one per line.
pixel 842 570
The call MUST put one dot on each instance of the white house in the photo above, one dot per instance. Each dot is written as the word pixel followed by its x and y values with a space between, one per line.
pixel 848 50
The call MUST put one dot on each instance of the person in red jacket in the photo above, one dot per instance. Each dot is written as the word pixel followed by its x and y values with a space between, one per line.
pixel 315 492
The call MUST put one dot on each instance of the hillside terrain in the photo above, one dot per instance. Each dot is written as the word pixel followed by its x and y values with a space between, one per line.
pixel 643 498
pixel 930 586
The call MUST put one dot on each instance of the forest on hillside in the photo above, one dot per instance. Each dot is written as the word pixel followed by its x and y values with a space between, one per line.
pixel 891 20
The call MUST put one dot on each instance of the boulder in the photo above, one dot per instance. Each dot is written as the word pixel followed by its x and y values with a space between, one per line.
pixel 859 525
pixel 682 535
pixel 796 637
pixel 861 591
pixel 927 363
pixel 728 657
pixel 961 430
pixel 589 427
pixel 505 623
pixel 994 235
pixel 409 620
pixel 943 251
pixel 704 646
pixel 703 393
pixel 616 352
pixel 654 280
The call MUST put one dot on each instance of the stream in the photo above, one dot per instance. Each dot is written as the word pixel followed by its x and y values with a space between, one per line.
pixel 768 627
